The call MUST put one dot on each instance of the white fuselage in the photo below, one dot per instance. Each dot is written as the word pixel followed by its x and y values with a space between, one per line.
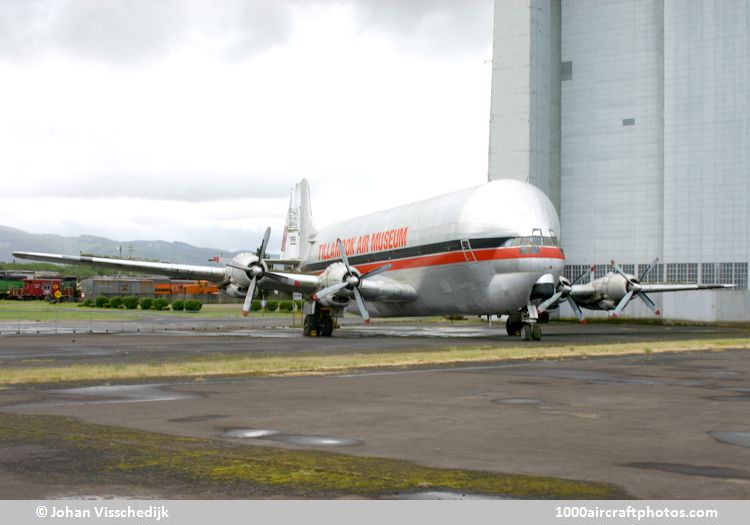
pixel 475 251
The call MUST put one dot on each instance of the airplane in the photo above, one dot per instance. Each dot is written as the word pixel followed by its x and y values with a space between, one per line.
pixel 489 249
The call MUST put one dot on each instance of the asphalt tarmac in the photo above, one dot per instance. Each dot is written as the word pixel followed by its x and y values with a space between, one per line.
pixel 661 426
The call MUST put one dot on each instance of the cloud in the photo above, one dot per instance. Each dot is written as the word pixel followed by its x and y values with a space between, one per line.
pixel 428 27
pixel 133 31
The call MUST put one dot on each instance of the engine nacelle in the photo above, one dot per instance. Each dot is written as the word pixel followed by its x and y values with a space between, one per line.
pixel 233 290
pixel 610 290
pixel 334 274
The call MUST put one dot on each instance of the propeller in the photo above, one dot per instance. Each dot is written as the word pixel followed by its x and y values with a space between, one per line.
pixel 634 290
pixel 351 282
pixel 255 270
pixel 564 289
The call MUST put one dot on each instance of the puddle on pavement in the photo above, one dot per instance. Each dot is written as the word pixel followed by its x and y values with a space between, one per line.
pixel 316 441
pixel 271 434
pixel 250 433
pixel 109 394
pixel 694 470
pixel 741 439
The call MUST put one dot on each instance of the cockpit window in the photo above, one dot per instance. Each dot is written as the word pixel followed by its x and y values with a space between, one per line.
pixel 532 241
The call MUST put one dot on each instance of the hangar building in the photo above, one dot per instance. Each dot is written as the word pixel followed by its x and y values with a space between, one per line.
pixel 634 117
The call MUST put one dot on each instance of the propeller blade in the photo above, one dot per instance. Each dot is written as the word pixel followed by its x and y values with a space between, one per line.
pixel 619 270
pixel 576 309
pixel 584 274
pixel 264 244
pixel 624 301
pixel 248 298
pixel 645 298
pixel 379 269
pixel 361 304
pixel 342 251
pixel 549 302
pixel 329 290
pixel 282 279
pixel 650 266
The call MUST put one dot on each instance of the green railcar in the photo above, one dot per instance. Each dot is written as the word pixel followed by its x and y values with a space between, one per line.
pixel 10 287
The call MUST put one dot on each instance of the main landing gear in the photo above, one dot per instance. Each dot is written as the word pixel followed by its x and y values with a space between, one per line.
pixel 320 323
pixel 526 326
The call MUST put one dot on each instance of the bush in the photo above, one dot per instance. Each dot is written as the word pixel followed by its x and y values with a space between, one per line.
pixel 159 304
pixel 255 306
pixel 286 306
pixel 87 303
pixel 102 302
pixel 146 303
pixel 271 306
pixel 115 302
pixel 130 302
pixel 193 305
pixel 178 305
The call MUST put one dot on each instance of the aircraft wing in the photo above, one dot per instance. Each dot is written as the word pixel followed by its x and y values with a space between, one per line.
pixel 657 288
pixel 185 271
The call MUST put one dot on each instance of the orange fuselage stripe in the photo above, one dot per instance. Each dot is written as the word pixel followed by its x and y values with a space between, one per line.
pixel 481 255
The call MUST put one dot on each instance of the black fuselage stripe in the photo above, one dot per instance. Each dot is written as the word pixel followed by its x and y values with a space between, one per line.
pixel 411 251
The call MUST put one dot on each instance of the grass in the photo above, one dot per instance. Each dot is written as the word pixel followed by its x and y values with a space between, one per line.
pixel 111 455
pixel 316 364
pixel 43 311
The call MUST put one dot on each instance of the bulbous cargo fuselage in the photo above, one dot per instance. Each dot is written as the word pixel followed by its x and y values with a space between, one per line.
pixel 475 251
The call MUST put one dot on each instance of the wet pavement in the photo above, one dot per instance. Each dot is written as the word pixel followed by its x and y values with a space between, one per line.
pixel 661 426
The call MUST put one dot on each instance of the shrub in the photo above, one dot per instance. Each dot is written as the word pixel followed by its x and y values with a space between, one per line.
pixel 146 303
pixel 178 305
pixel 86 303
pixel 271 306
pixel 286 306
pixel 255 306
pixel 115 302
pixel 130 302
pixel 102 302
pixel 159 304
pixel 193 305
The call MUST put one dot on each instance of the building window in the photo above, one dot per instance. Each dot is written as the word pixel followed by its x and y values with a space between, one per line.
pixel 628 122
pixel 740 275
pixel 656 275
pixel 566 71
pixel 708 273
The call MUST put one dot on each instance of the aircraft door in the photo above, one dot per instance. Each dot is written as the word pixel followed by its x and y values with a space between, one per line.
pixel 467 251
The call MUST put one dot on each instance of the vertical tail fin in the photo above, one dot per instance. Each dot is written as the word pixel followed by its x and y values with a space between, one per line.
pixel 299 229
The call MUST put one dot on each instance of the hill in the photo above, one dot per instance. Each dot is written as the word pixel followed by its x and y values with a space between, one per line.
pixel 12 239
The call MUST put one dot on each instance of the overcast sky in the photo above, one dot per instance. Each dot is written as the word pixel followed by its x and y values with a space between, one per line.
pixel 190 120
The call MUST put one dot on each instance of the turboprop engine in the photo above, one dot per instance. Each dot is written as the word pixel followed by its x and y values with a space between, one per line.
pixel 336 273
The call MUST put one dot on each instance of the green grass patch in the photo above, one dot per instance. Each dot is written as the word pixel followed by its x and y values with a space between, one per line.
pixel 112 455
pixel 312 364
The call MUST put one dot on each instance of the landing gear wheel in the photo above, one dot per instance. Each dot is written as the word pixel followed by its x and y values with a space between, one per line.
pixel 310 326
pixel 325 326
pixel 526 332
pixel 513 328
pixel 536 332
